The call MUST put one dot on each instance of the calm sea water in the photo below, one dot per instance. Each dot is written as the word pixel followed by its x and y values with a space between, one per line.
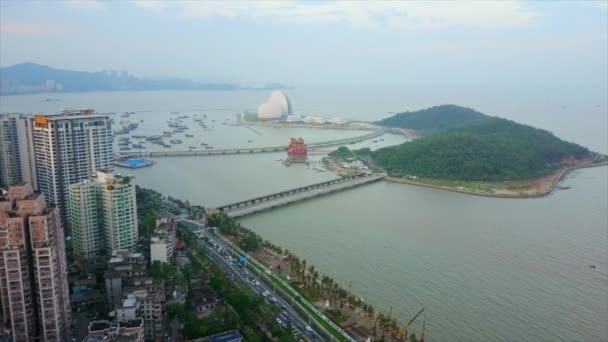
pixel 485 269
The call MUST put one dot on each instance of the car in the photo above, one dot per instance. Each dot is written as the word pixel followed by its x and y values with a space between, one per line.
pixel 283 307
pixel 279 321
pixel 273 299
pixel 257 283
pixel 308 329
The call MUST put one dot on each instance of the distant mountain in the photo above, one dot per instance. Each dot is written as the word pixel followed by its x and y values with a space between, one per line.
pixel 434 119
pixel 34 78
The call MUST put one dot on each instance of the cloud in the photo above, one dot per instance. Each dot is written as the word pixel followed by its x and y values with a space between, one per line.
pixel 28 28
pixel 390 14
pixel 153 6
pixel 95 5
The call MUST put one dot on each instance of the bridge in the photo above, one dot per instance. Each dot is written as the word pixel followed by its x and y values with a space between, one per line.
pixel 257 204
pixel 314 148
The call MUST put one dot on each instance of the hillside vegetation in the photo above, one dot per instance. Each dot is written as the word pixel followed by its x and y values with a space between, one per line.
pixel 488 149
pixel 434 119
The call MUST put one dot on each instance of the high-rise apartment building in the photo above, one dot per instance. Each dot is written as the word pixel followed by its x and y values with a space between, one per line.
pixel 33 270
pixel 103 215
pixel 69 147
pixel 16 154
pixel 85 219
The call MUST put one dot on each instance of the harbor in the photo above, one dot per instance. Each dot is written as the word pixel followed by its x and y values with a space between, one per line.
pixel 361 236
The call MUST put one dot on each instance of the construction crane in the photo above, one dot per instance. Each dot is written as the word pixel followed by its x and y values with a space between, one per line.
pixel 403 332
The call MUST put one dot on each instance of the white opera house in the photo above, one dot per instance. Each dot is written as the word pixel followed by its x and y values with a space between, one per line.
pixel 277 106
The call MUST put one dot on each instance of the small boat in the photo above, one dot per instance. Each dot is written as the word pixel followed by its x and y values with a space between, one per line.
pixel 174 113
pixel 190 135
pixel 192 147
pixel 209 147
pixel 176 141
pixel 125 149
pixel 374 141
pixel 203 144
pixel 141 121
pixel 138 146
pixel 250 141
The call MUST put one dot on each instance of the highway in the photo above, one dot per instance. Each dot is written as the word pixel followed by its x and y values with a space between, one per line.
pixel 243 277
pixel 221 253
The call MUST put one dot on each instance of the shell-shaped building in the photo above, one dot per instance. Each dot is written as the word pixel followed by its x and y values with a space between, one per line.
pixel 278 105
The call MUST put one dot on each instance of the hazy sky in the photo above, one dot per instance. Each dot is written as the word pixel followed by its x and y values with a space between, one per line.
pixel 552 43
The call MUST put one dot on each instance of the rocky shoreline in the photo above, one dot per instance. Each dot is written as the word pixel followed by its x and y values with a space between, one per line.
pixel 546 184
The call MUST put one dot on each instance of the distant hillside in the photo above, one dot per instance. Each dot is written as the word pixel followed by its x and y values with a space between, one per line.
pixel 489 149
pixel 434 119
pixel 34 78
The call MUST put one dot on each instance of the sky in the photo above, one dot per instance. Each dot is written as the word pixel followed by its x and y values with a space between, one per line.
pixel 309 43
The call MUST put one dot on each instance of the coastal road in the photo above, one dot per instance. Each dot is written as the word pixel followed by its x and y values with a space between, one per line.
pixel 241 276
pixel 259 282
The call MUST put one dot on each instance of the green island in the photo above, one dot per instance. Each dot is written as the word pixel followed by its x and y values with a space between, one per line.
pixel 464 150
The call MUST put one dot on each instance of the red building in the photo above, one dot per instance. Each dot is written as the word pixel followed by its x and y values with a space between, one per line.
pixel 297 151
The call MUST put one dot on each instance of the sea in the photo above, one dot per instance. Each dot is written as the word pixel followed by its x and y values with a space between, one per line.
pixel 484 269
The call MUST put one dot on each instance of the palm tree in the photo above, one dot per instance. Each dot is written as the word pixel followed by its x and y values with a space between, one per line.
pixel 302 269
pixel 380 321
pixel 315 278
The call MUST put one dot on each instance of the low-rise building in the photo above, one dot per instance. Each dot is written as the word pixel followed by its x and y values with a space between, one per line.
pixel 122 267
pixel 144 297
pixel 123 331
pixel 204 299
pixel 226 336
pixel 163 241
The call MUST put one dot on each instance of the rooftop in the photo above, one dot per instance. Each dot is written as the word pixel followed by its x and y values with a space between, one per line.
pixel 227 336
